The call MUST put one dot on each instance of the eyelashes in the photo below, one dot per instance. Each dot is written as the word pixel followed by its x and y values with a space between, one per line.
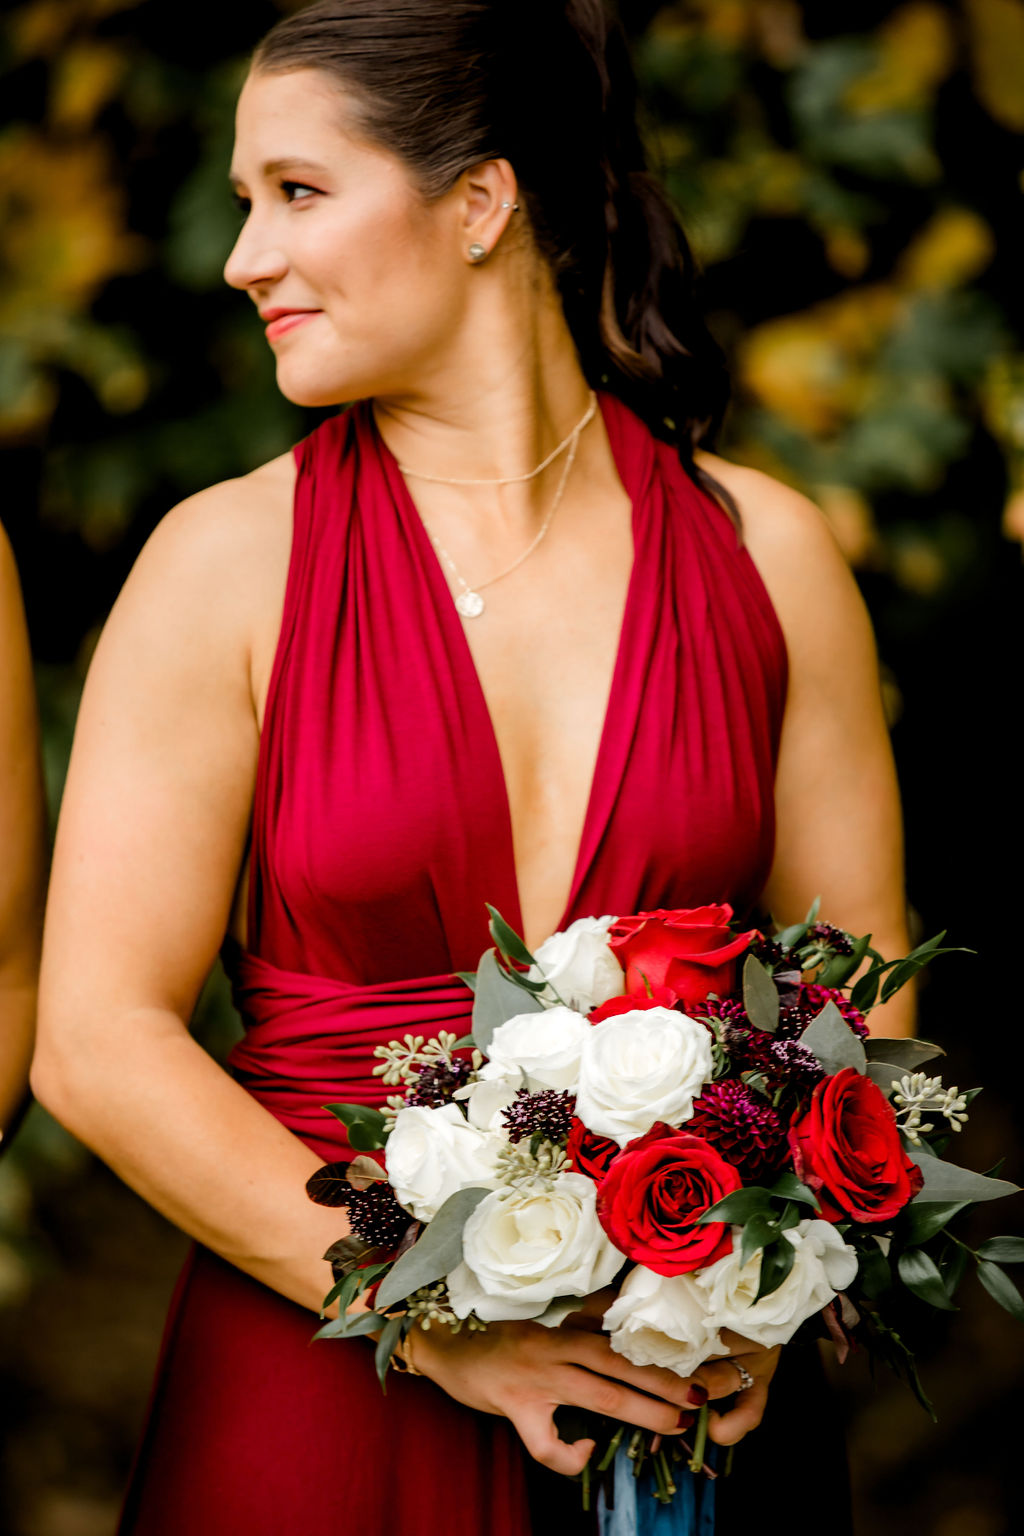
pixel 294 192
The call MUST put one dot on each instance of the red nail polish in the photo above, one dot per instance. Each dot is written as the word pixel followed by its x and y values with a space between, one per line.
pixel 697 1395
pixel 685 1420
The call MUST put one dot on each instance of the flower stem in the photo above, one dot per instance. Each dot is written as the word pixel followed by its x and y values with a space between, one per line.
pixel 613 1446
pixel 700 1440
pixel 586 1487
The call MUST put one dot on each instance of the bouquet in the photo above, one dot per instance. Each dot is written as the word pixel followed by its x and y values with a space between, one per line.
pixel 693 1115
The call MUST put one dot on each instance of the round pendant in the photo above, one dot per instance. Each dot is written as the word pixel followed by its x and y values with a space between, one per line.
pixel 469 604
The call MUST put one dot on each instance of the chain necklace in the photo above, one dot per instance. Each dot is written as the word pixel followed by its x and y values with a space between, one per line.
pixel 469 602
pixel 532 474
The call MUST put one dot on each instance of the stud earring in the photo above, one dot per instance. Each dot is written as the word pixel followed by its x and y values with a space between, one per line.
pixel 513 206
pixel 477 252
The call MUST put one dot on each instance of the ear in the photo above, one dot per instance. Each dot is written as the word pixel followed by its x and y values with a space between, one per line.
pixel 489 197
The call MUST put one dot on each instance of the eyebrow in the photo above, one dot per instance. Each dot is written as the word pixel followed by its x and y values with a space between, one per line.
pixel 287 163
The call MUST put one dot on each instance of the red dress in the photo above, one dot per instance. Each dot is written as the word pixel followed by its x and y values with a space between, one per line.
pixel 381 828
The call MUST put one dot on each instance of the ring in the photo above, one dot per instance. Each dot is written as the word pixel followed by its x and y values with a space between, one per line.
pixel 746 1380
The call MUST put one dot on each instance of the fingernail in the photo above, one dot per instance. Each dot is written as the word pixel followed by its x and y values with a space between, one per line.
pixel 685 1420
pixel 697 1395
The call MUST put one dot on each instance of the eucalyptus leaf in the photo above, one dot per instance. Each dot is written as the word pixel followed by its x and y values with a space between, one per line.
pixel 948 1182
pixel 468 978
pixel 350 1327
pixel 507 940
pixel 463 1043
pixel 760 997
pixel 740 1206
pixel 924 1221
pixel 436 1254
pixel 1003 1250
pixel 906 1052
pixel 497 999
pixel 831 1040
pixel 920 1274
pixel 885 1076
pixel 1001 1288
pixel 386 1345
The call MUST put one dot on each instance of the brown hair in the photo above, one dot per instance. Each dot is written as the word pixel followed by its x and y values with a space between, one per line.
pixel 549 86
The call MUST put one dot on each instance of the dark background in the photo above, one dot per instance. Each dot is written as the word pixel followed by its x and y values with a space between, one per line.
pixel 851 177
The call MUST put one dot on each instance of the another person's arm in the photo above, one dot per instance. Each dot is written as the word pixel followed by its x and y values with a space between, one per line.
pixel 22 846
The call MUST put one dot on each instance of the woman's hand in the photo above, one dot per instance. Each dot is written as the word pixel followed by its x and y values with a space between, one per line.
pixel 722 1378
pixel 525 1371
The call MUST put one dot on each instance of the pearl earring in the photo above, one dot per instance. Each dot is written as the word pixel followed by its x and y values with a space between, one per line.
pixel 477 252
pixel 513 206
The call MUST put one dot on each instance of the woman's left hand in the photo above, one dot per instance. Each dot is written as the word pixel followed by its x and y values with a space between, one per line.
pixel 722 1378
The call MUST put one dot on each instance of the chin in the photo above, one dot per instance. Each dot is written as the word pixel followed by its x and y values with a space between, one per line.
pixel 314 393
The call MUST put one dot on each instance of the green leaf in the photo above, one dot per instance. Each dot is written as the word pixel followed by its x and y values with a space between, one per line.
pixel 740 1206
pixel 918 958
pixel 905 1052
pixel 363 1137
pixel 776 1263
pixel 1003 1250
pixel 468 978
pixel 436 1253
pixel 947 1181
pixel 350 1327
pixel 367 1128
pixel 790 937
pixel 920 1274
pixel 873 1274
pixel 497 999
pixel 329 1185
pixel 463 1043
pixel 812 916
pixel 1001 1288
pixel 758 1233
pixel 865 991
pixel 389 1337
pixel 884 1076
pixel 925 1220
pixel 760 997
pixel 788 1187
pixel 831 1040
pixel 507 940
pixel 841 967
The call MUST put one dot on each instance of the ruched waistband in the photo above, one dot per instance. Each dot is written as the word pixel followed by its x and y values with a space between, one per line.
pixel 309 1040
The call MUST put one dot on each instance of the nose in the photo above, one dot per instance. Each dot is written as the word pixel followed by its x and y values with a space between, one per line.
pixel 254 259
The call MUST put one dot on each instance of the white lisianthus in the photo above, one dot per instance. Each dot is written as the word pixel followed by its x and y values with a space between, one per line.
pixel 546 1045
pixel 433 1152
pixel 522 1248
pixel 579 966
pixel 641 1067
pixel 486 1098
pixel 822 1266
pixel 661 1320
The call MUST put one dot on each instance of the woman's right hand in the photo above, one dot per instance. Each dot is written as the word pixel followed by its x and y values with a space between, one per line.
pixel 525 1371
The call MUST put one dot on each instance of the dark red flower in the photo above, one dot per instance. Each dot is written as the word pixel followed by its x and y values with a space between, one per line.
pixel 741 1125
pixel 691 950
pixel 847 1148
pixel 631 1002
pixel 814 998
pixel 589 1153
pixel 652 1195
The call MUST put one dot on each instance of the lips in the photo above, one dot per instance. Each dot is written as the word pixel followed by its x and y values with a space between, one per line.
pixel 278 321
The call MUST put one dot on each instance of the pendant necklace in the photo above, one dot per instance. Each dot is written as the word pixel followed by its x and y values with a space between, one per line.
pixel 469 603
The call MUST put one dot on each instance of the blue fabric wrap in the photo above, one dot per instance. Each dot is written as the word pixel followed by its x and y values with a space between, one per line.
pixel 638 1513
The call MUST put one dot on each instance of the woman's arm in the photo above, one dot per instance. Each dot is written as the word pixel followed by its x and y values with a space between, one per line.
pixel 839 827
pixel 23 841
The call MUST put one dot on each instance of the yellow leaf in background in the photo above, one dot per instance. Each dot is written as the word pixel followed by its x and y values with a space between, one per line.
pixel 917 563
pixel 1002 400
pixel 915 52
pixel 39 28
pixel 85 77
pixel 997 51
pixel 779 29
pixel 848 252
pixel 791 366
pixel 27 409
pixel 952 248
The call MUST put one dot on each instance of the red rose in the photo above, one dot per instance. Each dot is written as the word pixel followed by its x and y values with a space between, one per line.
pixel 658 997
pixel 692 951
pixel 653 1193
pixel 847 1148
pixel 589 1153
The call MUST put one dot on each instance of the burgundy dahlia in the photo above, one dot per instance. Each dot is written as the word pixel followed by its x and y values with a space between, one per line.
pixel 376 1216
pixel 742 1127
pixel 730 1011
pixel 547 1114
pixel 813 1000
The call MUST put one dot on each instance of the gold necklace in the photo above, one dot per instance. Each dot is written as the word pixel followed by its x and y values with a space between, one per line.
pixel 469 603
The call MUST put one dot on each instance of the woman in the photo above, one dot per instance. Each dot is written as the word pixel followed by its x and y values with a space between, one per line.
pixel 23 840
pixel 292 736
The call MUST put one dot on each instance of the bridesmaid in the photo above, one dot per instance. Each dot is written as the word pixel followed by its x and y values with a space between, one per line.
pixel 22 847
pixel 447 220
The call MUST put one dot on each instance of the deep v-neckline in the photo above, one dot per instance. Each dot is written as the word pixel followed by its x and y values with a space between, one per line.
pixel 473 688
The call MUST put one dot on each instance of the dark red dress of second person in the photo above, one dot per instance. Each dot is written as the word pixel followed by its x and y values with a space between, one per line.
pixel 380 829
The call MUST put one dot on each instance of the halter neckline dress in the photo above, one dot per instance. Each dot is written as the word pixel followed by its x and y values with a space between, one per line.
pixel 381 828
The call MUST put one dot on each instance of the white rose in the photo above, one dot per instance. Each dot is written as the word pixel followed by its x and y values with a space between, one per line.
pixel 433 1152
pixel 579 965
pixel 523 1248
pixel 486 1098
pixel 822 1265
pixel 661 1320
pixel 641 1067
pixel 545 1045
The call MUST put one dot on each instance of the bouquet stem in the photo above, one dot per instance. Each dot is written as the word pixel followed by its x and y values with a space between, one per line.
pixel 700 1440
